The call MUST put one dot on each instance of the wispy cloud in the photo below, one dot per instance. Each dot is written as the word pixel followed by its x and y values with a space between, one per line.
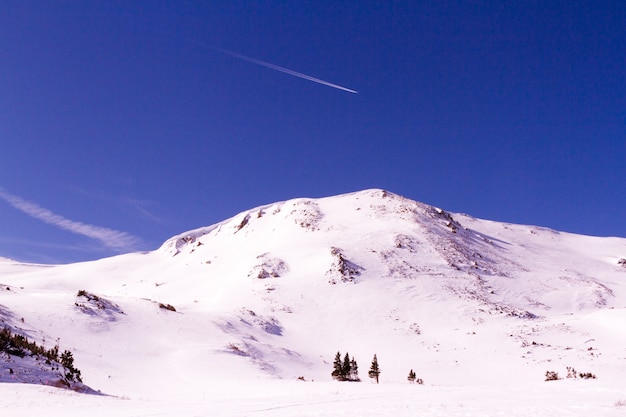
pixel 140 205
pixel 113 239
pixel 51 245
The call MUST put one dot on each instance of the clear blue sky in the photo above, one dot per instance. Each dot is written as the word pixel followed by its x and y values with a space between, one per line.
pixel 127 116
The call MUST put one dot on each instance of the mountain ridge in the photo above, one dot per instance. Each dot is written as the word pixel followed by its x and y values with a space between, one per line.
pixel 276 290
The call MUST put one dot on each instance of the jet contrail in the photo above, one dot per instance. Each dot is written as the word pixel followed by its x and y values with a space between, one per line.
pixel 113 239
pixel 272 66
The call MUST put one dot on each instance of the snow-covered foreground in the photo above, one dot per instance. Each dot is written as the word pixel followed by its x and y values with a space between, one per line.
pixel 292 398
pixel 223 320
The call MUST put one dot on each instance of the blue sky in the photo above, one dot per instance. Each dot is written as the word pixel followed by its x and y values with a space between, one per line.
pixel 130 118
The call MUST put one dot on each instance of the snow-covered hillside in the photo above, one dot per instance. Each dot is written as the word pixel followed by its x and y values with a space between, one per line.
pixel 273 293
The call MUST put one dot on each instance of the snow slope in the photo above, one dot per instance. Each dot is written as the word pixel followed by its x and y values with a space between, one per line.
pixel 271 294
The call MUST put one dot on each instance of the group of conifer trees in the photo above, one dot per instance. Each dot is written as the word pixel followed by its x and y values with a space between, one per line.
pixel 348 370
pixel 18 345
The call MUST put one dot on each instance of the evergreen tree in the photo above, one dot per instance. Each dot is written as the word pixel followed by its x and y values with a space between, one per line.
pixel 346 368
pixel 374 371
pixel 354 370
pixel 71 374
pixel 337 367
pixel 411 376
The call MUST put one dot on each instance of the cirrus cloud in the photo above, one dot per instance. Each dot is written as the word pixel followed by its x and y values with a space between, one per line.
pixel 113 239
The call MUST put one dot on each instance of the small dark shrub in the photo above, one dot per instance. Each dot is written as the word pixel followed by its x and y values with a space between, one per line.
pixel 552 376
pixel 168 307
pixel 571 372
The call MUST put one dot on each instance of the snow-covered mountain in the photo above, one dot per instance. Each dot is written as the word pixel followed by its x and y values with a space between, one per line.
pixel 276 291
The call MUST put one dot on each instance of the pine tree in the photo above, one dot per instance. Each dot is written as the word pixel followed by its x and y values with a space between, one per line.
pixel 337 368
pixel 71 374
pixel 411 376
pixel 354 370
pixel 346 368
pixel 374 371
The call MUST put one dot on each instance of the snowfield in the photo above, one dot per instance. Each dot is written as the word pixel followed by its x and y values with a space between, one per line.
pixel 288 398
pixel 224 320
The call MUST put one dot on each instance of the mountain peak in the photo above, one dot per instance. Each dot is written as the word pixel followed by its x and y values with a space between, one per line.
pixel 276 289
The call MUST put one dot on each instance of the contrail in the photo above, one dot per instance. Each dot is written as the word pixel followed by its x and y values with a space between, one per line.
pixel 113 239
pixel 272 66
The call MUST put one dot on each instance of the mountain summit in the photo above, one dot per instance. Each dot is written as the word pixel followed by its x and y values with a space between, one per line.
pixel 275 291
